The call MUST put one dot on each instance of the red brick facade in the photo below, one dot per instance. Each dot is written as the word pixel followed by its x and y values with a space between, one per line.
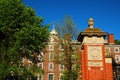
pixel 95 65
pixel 103 72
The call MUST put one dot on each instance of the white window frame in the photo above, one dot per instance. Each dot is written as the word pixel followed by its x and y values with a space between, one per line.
pixel 40 78
pixel 51 54
pixel 61 47
pixel 40 64
pixel 115 49
pixel 60 75
pixel 40 57
pixel 50 66
pixel 51 47
pixel 60 67
pixel 117 57
pixel 50 74
pixel 61 56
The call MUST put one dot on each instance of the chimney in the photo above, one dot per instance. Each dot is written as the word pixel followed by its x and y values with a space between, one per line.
pixel 110 38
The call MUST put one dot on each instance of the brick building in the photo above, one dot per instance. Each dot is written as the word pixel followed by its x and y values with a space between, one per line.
pixel 113 50
pixel 53 70
pixel 97 53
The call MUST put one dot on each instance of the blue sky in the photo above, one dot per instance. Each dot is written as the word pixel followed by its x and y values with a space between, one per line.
pixel 106 13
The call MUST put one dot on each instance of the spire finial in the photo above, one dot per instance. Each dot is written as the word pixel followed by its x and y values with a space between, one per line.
pixel 91 22
pixel 53 27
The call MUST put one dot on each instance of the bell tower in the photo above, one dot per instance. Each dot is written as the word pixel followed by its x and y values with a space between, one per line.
pixel 94 64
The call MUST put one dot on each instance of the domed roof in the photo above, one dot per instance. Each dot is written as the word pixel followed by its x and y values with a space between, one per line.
pixel 53 32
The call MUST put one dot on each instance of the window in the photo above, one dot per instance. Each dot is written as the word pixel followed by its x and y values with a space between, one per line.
pixel 40 65
pixel 51 66
pixel 51 47
pixel 40 58
pixel 51 56
pixel 50 76
pixel 61 56
pixel 73 49
pixel 117 58
pixel 60 76
pixel 116 49
pixel 61 67
pixel 107 50
pixel 74 58
pixel 61 47
pixel 75 66
pixel 40 77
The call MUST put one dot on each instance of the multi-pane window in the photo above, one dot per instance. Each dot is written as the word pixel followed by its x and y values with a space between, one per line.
pixel 61 47
pixel 50 76
pixel 117 58
pixel 51 66
pixel 61 56
pixel 51 56
pixel 61 67
pixel 51 47
pixel 116 49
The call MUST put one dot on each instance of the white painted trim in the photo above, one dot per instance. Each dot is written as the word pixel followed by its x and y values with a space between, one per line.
pixel 52 66
pixel 49 74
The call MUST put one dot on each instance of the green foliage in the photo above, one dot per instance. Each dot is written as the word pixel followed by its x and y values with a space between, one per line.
pixel 117 41
pixel 69 76
pixel 23 31
pixel 68 32
pixel 14 68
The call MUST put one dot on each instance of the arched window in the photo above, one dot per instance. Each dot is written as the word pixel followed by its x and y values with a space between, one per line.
pixel 51 66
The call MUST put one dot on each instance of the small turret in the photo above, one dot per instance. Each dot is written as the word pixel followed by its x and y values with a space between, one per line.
pixel 54 32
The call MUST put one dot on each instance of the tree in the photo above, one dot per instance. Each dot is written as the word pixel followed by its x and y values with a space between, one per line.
pixel 67 26
pixel 71 54
pixel 117 41
pixel 23 35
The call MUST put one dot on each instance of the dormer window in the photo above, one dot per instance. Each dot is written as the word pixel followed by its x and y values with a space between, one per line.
pixel 51 47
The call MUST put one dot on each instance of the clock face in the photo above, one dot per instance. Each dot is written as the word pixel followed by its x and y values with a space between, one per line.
pixel 94 53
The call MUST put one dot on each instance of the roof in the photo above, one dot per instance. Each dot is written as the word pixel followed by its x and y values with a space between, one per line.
pixel 91 31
